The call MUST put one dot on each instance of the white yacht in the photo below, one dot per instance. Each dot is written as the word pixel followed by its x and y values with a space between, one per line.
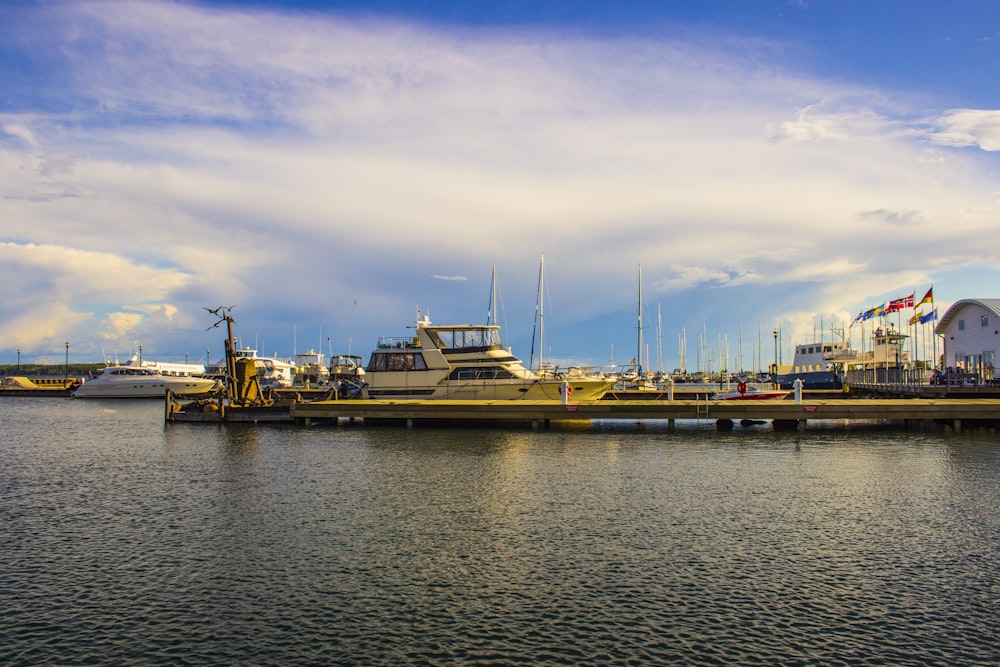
pixel 273 372
pixel 465 361
pixel 140 382
pixel 311 371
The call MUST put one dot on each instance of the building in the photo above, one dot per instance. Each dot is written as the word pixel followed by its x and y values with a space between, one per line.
pixel 970 330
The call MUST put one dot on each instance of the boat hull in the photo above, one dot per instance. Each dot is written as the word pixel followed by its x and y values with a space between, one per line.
pixel 750 396
pixel 811 380
pixel 535 390
pixel 155 387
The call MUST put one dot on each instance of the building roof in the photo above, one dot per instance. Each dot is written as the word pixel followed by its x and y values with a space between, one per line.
pixel 992 305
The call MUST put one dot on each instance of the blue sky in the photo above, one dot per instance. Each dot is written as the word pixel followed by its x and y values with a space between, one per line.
pixel 332 167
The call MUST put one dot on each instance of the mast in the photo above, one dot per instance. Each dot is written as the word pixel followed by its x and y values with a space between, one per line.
pixel 659 340
pixel 491 310
pixel 539 317
pixel 638 356
pixel 541 310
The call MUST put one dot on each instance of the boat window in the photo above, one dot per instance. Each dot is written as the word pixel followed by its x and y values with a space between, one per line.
pixel 467 339
pixel 961 325
pixel 403 361
pixel 986 320
pixel 488 373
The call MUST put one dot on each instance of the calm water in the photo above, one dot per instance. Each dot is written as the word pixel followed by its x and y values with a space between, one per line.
pixel 125 541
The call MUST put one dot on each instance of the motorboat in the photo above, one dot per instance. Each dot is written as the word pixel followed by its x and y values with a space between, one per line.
pixel 347 375
pixel 311 370
pixel 745 393
pixel 142 382
pixel 273 372
pixel 466 361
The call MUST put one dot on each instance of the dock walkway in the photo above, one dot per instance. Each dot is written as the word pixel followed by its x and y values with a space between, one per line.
pixel 541 413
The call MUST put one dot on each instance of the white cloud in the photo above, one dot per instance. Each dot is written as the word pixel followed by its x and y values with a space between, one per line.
pixel 304 163
pixel 969 127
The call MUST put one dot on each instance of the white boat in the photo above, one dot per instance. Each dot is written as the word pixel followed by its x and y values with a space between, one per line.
pixel 139 382
pixel 465 361
pixel 347 375
pixel 311 371
pixel 273 372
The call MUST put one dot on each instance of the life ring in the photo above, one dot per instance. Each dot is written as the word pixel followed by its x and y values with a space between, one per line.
pixel 569 389
pixel 742 388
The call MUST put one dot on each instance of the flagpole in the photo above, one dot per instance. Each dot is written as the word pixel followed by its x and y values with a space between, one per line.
pixel 933 333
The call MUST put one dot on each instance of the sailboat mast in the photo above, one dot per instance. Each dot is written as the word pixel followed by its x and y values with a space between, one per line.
pixel 659 340
pixel 638 356
pixel 541 310
pixel 491 311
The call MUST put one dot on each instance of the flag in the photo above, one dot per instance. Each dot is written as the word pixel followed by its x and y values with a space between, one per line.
pixel 929 317
pixel 879 311
pixel 899 304
pixel 913 320
pixel 858 318
pixel 929 297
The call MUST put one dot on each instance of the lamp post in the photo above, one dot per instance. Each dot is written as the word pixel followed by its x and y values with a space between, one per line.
pixel 66 367
pixel 208 356
pixel 185 357
pixel 776 359
pixel 18 361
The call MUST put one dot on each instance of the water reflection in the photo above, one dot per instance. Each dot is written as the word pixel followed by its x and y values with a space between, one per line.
pixel 133 542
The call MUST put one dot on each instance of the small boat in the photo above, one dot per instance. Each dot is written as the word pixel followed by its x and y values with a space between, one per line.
pixel 274 372
pixel 465 361
pixel 310 370
pixel 347 375
pixel 744 392
pixel 142 382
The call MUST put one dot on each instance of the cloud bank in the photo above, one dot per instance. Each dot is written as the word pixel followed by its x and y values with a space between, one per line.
pixel 333 173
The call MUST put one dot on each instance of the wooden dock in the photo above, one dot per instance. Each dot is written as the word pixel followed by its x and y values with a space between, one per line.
pixel 783 413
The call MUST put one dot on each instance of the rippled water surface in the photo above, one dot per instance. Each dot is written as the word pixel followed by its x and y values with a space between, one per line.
pixel 125 541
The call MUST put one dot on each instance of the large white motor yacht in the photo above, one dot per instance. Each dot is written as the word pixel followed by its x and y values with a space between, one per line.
pixel 465 361
pixel 140 382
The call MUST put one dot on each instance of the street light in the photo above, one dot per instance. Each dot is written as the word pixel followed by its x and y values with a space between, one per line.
pixel 208 356
pixel 66 368
pixel 18 361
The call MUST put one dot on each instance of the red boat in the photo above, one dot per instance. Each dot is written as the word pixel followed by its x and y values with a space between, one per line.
pixel 745 393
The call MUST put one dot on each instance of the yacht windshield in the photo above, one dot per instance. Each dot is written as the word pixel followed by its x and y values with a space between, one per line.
pixel 465 339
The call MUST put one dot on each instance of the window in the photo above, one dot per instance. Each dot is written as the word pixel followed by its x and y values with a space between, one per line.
pixel 406 361
pixel 986 320
pixel 488 373
pixel 961 325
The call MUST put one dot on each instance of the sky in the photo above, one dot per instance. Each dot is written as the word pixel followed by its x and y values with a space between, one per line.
pixel 332 169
